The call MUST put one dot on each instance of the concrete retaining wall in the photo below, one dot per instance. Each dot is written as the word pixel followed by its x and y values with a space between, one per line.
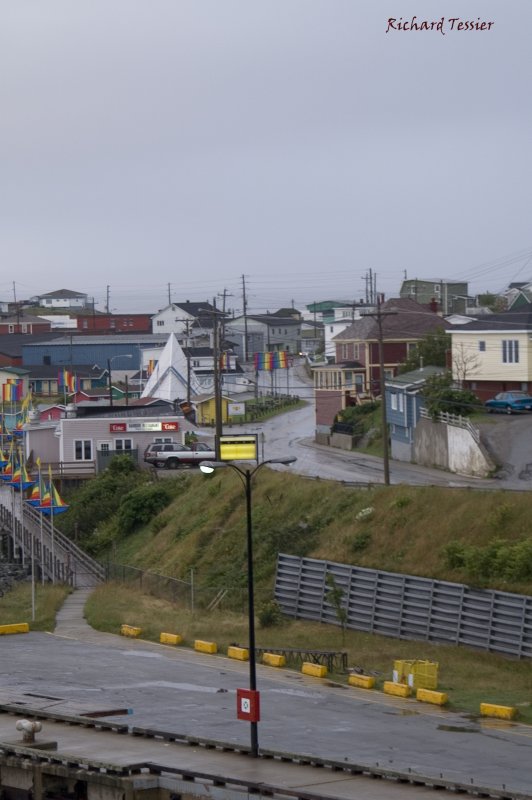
pixel 437 444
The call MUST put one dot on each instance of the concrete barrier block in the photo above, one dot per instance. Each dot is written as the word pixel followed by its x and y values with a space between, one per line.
pixel 205 647
pixel 493 710
pixel 240 653
pixel 273 659
pixel 397 689
pixel 316 670
pixel 130 630
pixel 170 638
pixel 15 627
pixel 431 696
pixel 362 681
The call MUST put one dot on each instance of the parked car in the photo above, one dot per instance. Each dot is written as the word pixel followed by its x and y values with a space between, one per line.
pixel 510 402
pixel 172 455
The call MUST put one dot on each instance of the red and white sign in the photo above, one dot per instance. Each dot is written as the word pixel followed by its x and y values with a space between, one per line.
pixel 248 705
pixel 142 427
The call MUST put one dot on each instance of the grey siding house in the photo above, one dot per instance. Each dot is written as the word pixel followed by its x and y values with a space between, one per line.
pixel 403 403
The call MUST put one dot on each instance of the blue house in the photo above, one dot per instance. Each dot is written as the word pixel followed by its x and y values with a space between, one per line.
pixel 403 403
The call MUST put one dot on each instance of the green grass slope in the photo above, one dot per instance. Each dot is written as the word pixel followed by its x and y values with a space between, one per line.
pixel 479 538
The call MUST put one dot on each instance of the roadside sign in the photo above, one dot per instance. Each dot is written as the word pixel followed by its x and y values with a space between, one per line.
pixel 248 705
pixel 238 447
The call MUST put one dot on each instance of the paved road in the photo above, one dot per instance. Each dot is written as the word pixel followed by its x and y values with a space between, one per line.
pixel 292 433
pixel 185 692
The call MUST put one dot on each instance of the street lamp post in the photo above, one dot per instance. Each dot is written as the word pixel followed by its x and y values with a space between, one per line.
pixel 246 476
pixel 109 362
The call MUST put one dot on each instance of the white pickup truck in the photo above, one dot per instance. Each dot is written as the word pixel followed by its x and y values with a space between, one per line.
pixel 172 455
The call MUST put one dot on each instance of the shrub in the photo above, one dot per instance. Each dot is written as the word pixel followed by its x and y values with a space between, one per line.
pixel 270 615
pixel 139 506
pixel 454 555
pixel 361 541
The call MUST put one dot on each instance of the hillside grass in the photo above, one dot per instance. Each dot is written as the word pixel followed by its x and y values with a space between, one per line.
pixel 16 605
pixel 409 530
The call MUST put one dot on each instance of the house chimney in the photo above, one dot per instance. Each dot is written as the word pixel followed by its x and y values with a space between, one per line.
pixel 433 305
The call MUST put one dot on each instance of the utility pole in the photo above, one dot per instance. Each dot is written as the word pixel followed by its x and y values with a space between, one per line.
pixel 107 299
pixel 217 388
pixel 379 315
pixel 223 295
pixel 169 295
pixel 244 307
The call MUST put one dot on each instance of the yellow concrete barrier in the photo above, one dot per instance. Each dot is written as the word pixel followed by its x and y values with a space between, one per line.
pixel 273 659
pixel 130 630
pixel 397 689
pixel 15 627
pixel 502 712
pixel 317 670
pixel 205 647
pixel 362 681
pixel 170 638
pixel 240 653
pixel 430 696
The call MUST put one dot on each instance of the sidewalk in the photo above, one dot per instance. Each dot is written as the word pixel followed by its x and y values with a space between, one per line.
pixel 70 619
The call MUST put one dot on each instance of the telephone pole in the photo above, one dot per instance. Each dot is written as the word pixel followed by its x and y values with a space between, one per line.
pixel 379 315
pixel 244 307
pixel 217 388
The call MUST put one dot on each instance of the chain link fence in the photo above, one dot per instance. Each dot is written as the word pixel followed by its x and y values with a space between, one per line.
pixel 191 594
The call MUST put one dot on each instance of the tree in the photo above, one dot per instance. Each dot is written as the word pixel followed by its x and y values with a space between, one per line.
pixel 431 350
pixel 492 301
pixel 441 396
pixel 465 362
pixel 335 596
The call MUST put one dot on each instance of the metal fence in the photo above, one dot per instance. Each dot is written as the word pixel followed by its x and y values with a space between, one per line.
pixel 406 607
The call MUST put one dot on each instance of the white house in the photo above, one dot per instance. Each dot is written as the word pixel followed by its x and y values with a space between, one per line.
pixel 62 298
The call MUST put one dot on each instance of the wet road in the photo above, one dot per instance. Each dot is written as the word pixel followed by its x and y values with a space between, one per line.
pixel 292 433
pixel 185 692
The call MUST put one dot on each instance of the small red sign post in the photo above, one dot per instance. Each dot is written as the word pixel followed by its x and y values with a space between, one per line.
pixel 248 705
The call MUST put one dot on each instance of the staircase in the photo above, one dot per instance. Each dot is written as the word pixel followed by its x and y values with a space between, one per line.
pixel 56 558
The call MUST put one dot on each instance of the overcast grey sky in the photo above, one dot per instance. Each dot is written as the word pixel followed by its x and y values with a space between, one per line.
pixel 190 142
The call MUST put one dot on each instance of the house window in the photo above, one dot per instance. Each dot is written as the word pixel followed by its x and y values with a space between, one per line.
pixel 85 324
pixel 400 402
pixel 104 447
pixel 24 327
pixel 83 450
pixel 510 351
pixel 437 288
pixel 482 346
pixel 393 401
pixel 123 445
pixel 345 351
pixel 11 329
pixel 160 323
pixel 47 360
pixel 356 351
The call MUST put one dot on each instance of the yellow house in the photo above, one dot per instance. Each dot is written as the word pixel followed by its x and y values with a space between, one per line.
pixel 494 354
pixel 205 409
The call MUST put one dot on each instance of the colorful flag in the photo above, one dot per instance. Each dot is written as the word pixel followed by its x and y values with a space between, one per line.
pixel 51 501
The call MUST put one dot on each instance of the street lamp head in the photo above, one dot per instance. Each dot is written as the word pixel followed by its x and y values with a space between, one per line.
pixel 208 467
